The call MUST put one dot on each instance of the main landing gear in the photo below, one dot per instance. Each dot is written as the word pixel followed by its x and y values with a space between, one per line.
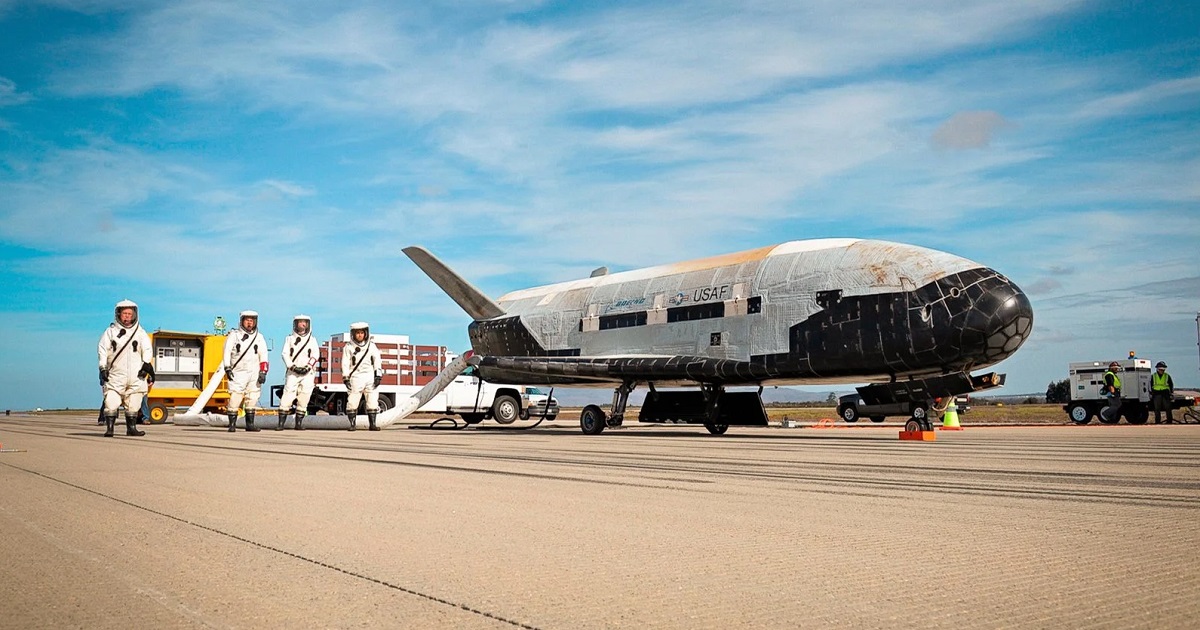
pixel 702 407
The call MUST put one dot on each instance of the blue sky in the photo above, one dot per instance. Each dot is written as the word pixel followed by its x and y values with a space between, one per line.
pixel 205 157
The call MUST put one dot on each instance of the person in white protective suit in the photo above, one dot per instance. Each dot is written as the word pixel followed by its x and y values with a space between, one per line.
pixel 126 371
pixel 362 371
pixel 246 368
pixel 300 355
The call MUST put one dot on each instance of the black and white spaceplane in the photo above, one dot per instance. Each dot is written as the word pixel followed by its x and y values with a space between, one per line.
pixel 909 321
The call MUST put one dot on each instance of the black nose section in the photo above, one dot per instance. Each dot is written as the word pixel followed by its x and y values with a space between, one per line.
pixel 999 319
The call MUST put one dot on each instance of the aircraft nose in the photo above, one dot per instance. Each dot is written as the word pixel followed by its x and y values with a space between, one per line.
pixel 1000 320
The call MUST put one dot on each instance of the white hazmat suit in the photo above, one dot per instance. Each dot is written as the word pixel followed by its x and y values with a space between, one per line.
pixel 362 369
pixel 300 356
pixel 246 366
pixel 126 369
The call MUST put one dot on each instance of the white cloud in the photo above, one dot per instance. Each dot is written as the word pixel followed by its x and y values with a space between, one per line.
pixel 1152 95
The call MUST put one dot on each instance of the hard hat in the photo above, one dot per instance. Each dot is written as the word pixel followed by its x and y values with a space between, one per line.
pixel 124 304
pixel 1160 364
pixel 301 318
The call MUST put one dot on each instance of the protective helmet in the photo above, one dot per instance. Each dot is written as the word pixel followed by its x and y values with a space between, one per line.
pixel 1160 364
pixel 363 326
pixel 242 321
pixel 122 305
pixel 307 324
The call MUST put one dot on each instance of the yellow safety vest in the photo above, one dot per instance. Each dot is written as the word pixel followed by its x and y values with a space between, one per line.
pixel 1159 384
pixel 1116 379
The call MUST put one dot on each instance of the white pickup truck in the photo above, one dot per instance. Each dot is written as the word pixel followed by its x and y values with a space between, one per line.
pixel 469 397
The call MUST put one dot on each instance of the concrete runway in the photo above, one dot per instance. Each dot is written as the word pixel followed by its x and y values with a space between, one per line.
pixel 644 527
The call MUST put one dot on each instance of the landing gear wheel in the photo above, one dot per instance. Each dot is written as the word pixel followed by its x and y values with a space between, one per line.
pixel 1080 414
pixel 505 409
pixel 921 415
pixel 849 413
pixel 716 429
pixel 1106 420
pixel 591 420
pixel 913 425
pixel 158 413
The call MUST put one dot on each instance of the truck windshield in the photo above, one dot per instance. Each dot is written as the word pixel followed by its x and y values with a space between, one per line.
pixel 533 391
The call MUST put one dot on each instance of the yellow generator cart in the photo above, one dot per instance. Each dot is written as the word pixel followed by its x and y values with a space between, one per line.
pixel 183 364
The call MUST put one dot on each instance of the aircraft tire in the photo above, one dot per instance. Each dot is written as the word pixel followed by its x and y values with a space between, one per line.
pixel 591 420
pixel 913 425
pixel 716 429
pixel 877 418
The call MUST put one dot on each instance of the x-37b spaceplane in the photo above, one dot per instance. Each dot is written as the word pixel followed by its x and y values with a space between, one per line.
pixel 911 322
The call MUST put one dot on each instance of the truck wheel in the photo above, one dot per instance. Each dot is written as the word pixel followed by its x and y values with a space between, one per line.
pixel 1137 415
pixel 158 413
pixel 920 413
pixel 591 420
pixel 849 413
pixel 505 409
pixel 1080 414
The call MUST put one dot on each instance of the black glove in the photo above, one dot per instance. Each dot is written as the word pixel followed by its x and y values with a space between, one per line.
pixel 378 380
pixel 147 372
pixel 103 376
pixel 346 382
pixel 262 378
pixel 229 374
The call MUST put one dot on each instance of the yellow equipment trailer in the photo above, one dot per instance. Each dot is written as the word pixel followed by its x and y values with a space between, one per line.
pixel 183 364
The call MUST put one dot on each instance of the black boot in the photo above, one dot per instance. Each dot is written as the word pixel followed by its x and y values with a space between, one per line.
pixel 371 419
pixel 299 420
pixel 282 419
pixel 250 420
pixel 109 423
pixel 131 426
pixel 353 416
pixel 232 421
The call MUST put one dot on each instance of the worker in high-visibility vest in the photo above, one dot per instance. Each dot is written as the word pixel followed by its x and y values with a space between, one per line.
pixel 1162 390
pixel 1112 390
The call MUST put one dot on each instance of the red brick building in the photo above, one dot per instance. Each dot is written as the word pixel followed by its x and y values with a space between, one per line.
pixel 404 363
